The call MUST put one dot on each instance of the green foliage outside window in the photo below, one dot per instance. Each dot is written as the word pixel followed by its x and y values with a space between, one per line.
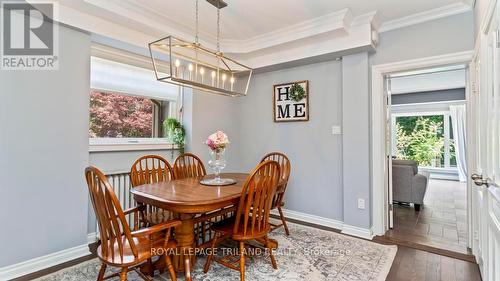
pixel 421 139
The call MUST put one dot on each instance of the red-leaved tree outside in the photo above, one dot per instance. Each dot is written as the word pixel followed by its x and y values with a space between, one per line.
pixel 120 116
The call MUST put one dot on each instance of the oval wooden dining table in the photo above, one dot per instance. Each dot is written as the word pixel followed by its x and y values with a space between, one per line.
pixel 187 198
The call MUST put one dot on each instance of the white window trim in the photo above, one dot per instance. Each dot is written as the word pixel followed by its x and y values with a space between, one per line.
pixel 128 144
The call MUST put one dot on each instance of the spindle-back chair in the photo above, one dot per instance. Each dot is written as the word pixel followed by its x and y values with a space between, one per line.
pixel 251 220
pixel 152 169
pixel 121 246
pixel 278 201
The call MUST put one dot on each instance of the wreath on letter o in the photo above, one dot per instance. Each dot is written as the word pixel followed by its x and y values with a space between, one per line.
pixel 297 93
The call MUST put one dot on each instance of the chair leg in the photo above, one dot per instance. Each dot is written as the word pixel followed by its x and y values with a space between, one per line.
pixel 242 261
pixel 287 232
pixel 100 277
pixel 123 274
pixel 187 267
pixel 273 259
pixel 170 268
pixel 211 254
pixel 151 268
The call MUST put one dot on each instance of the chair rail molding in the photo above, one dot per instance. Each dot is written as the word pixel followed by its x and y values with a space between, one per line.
pixel 378 133
pixel 33 265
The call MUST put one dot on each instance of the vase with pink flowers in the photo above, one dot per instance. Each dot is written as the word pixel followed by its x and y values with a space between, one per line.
pixel 217 143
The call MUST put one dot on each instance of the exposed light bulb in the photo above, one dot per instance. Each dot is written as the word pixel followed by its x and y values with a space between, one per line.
pixel 202 73
pixel 190 67
pixel 224 77
pixel 213 78
pixel 177 63
pixel 232 82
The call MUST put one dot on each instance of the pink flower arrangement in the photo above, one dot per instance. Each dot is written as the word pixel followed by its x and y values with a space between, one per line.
pixel 217 141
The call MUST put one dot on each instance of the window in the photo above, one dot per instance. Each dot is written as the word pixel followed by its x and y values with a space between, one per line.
pixel 123 116
pixel 424 137
pixel 128 105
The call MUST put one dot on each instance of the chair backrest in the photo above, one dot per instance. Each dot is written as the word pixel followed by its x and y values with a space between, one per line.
pixel 150 169
pixel 252 216
pixel 113 226
pixel 188 165
pixel 283 161
pixel 413 164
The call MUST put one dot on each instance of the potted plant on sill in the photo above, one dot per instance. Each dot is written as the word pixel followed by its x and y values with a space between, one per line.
pixel 174 133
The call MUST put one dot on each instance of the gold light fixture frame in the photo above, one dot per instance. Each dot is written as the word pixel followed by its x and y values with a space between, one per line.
pixel 189 53
pixel 195 59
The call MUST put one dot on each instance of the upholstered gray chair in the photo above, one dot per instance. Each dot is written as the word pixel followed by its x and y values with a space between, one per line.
pixel 408 186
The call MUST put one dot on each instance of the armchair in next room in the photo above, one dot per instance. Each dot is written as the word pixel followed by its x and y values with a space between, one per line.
pixel 408 186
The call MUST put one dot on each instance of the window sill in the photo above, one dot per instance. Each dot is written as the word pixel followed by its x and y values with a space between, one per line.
pixel 129 145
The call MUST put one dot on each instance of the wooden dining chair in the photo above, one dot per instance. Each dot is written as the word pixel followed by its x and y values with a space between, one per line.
pixel 188 165
pixel 119 245
pixel 152 169
pixel 251 221
pixel 278 201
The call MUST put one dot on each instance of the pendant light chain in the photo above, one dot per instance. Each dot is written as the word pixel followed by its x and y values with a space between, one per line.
pixel 218 26
pixel 196 23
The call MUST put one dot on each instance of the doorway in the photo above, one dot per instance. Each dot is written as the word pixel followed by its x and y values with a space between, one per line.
pixel 427 166
pixel 438 206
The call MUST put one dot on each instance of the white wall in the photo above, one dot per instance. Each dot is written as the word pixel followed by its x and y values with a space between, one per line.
pixel 480 8
pixel 445 80
pixel 44 151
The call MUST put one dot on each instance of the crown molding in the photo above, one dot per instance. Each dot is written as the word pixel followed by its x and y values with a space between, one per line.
pixel 158 24
pixel 445 11
pixel 338 22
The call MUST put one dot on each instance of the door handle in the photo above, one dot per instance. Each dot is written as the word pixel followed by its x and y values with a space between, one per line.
pixel 476 177
pixel 480 181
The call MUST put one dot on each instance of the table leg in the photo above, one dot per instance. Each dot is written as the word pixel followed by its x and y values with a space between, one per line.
pixel 184 235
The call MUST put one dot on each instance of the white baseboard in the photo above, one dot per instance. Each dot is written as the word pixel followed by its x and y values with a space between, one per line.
pixel 346 229
pixel 357 231
pixel 92 237
pixel 303 217
pixel 43 262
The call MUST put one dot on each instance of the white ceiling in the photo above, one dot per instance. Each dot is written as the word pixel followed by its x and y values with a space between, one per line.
pixel 259 33
pixel 243 19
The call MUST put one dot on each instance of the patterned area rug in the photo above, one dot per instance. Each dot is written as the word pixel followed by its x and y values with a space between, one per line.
pixel 307 254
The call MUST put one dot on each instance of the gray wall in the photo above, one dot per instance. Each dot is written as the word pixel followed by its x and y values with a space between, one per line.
pixel 207 113
pixel 315 185
pixel 442 36
pixel 356 139
pixel 44 150
pixel 116 162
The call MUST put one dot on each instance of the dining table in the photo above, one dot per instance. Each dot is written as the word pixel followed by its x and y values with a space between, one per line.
pixel 187 198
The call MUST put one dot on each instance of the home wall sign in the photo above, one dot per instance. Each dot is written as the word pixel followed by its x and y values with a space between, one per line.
pixel 291 101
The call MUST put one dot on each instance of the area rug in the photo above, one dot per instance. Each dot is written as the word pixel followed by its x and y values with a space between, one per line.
pixel 307 254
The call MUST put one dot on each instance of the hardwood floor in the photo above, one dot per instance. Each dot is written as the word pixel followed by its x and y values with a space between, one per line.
pixel 416 265
pixel 409 265
pixel 441 223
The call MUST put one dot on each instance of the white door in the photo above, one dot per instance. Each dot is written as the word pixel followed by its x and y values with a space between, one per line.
pixel 389 145
pixel 484 155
